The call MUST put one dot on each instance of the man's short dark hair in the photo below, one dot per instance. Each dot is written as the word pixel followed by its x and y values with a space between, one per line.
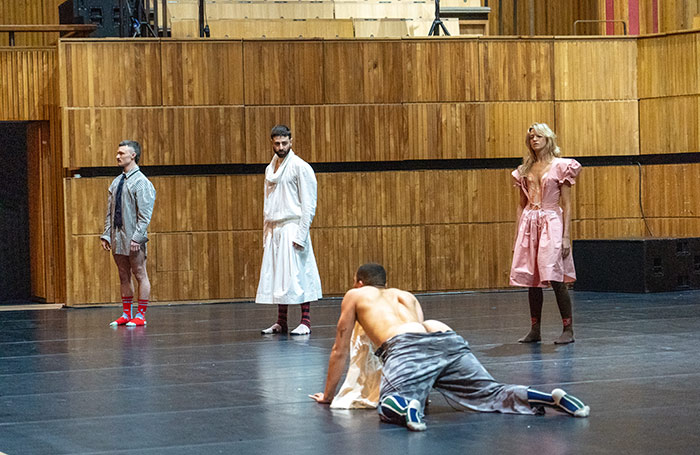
pixel 280 130
pixel 371 274
pixel 135 146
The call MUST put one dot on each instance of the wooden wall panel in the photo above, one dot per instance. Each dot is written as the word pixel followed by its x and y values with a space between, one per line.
pixel 309 129
pixel 29 12
pixel 169 136
pixel 395 28
pixel 671 191
pixel 380 10
pixel 517 70
pixel 47 268
pixel 46 209
pixel 606 192
pixel 370 199
pixel 247 259
pixel 86 204
pixel 91 272
pixel 507 124
pixel 266 28
pixel 208 203
pixel 400 196
pixel 352 247
pixel 587 128
pixel 222 265
pixel 183 204
pixel 677 14
pixel 595 70
pixel 675 227
pixel 27 83
pixel 110 72
pixel 374 132
pixel 281 73
pixel 456 255
pixel 36 195
pixel 403 249
pixel 557 17
pixel 434 230
pixel 469 196
pixel 616 228
pixel 302 9
pixel 441 71
pixel 670 125
pixel 668 65
pixel 331 133
pixel 202 73
pixel 363 72
pixel 175 252
pixel 446 130
pixel 348 199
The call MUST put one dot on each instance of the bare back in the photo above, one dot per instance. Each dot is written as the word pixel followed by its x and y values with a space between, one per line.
pixel 384 313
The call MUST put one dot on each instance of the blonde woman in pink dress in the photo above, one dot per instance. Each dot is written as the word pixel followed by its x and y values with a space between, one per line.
pixel 542 251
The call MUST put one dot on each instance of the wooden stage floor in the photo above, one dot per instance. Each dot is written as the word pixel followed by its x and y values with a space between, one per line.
pixel 200 379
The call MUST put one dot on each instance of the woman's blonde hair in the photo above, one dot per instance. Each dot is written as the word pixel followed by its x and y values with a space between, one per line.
pixel 550 151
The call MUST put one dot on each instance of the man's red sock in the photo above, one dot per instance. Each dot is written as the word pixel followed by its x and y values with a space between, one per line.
pixel 305 314
pixel 127 301
pixel 282 316
pixel 143 306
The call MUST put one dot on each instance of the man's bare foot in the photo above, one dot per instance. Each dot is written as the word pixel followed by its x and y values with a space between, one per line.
pixel 566 337
pixel 533 336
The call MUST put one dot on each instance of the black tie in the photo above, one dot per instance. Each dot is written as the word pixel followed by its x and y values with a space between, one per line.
pixel 118 206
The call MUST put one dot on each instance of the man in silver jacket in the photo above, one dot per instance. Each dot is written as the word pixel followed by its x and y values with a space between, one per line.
pixel 129 211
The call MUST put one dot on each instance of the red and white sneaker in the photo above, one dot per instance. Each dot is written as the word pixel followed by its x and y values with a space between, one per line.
pixel 121 321
pixel 136 322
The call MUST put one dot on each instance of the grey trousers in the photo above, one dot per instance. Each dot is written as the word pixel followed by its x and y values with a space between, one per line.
pixel 414 363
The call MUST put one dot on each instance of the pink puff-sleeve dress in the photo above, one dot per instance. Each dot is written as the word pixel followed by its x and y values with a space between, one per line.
pixel 537 258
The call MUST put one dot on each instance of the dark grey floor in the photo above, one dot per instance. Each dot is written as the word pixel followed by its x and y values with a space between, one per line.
pixel 201 379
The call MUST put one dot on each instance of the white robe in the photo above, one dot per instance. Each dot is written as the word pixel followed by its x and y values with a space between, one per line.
pixel 361 386
pixel 288 276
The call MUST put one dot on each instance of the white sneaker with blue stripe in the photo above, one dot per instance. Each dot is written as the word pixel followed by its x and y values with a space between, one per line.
pixel 399 410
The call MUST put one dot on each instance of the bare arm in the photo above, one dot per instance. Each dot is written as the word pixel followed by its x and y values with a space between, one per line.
pixel 339 354
pixel 565 202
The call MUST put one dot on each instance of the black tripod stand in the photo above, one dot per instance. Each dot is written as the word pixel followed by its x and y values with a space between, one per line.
pixel 134 19
pixel 437 23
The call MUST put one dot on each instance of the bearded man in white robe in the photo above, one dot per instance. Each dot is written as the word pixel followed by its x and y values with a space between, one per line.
pixel 289 275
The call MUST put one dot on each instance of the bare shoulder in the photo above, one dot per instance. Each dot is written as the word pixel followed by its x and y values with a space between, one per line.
pixel 355 294
pixel 403 295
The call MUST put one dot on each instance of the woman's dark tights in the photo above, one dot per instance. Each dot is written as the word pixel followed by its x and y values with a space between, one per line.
pixel 536 299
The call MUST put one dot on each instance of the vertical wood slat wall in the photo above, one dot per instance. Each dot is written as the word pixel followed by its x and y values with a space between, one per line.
pixel 435 230
pixel 557 17
pixel 479 91
pixel 29 92
pixel 29 12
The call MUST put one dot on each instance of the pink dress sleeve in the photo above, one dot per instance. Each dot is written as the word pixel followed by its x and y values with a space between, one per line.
pixel 517 179
pixel 568 170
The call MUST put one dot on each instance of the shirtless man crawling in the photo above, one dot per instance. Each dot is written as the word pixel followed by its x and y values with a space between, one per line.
pixel 420 355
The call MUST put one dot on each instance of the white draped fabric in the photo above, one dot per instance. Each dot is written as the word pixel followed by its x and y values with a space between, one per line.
pixel 288 276
pixel 361 386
